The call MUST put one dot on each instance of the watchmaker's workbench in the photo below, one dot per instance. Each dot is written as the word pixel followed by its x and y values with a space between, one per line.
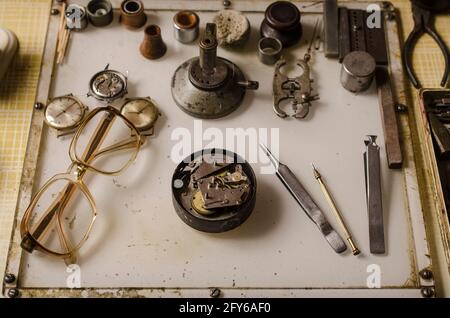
pixel 16 103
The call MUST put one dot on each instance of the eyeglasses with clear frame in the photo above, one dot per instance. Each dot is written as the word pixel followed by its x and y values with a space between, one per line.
pixel 61 214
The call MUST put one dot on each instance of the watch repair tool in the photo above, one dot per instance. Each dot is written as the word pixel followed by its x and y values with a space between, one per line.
pixel 282 21
pixel 62 32
pixel 305 201
pixel 152 47
pixel 318 39
pixel 437 106
pixel 76 17
pixel 233 28
pixel 8 49
pixel 100 12
pixel 442 101
pixel 357 71
pixel 214 190
pixel 64 113
pixel 132 14
pixel 331 28
pixel 389 118
pixel 440 134
pixel 186 26
pixel 337 214
pixel 298 89
pixel 423 15
pixel 356 35
pixel 269 50
pixel 141 112
pixel 209 86
pixel 108 85
pixel 73 19
pixel 62 45
pixel 373 195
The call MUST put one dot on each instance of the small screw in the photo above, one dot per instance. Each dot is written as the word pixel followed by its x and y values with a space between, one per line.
pixel 401 108
pixel 426 274
pixel 427 292
pixel 54 11
pixel 38 105
pixel 9 278
pixel 391 16
pixel 13 293
pixel 214 292
pixel 356 28
pixel 226 3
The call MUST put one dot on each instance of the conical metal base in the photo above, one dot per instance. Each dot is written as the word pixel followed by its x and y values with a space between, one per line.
pixel 214 103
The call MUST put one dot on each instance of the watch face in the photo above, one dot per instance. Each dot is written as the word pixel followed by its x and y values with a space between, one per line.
pixel 108 85
pixel 142 113
pixel 64 112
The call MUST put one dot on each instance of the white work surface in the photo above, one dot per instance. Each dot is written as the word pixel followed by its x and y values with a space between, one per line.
pixel 139 241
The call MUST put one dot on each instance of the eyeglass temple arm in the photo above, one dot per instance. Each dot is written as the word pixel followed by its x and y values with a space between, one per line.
pixel 42 227
pixel 28 240
pixel 98 137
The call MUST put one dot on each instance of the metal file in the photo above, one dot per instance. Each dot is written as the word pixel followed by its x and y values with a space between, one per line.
pixel 373 195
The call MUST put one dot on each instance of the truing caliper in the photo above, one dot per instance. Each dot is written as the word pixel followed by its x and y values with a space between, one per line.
pixel 298 89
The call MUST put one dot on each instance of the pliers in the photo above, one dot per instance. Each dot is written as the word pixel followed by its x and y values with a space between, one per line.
pixel 423 23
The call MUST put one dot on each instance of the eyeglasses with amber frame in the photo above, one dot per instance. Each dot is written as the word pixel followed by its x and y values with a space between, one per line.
pixel 35 229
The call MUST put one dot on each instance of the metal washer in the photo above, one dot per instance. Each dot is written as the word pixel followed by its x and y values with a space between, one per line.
pixel 269 50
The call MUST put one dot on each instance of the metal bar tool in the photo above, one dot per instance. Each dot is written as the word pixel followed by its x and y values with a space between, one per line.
pixel 373 195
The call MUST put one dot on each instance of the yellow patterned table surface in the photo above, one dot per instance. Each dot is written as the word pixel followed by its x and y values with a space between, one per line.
pixel 17 93
pixel 28 20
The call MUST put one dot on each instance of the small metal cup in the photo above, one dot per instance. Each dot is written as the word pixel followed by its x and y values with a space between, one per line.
pixel 132 14
pixel 357 71
pixel 269 50
pixel 186 26
pixel 100 12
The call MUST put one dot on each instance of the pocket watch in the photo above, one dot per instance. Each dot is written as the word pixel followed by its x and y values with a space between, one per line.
pixel 64 113
pixel 142 112
pixel 108 85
